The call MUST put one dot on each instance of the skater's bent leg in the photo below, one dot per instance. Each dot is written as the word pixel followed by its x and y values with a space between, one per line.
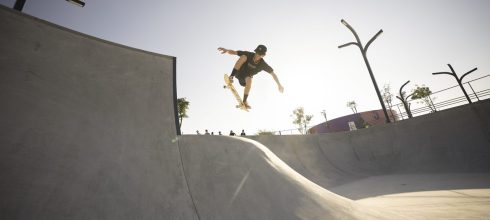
pixel 248 86
pixel 238 65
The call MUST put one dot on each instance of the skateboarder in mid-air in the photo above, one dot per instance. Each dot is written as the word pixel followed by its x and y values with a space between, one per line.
pixel 247 66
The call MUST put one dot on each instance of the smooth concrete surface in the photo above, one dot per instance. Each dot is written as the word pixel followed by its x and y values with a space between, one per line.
pixel 431 167
pixel 88 132
pixel 413 167
pixel 443 204
pixel 451 141
pixel 238 178
pixel 86 128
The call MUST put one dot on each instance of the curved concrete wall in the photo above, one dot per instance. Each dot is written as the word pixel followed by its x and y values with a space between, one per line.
pixel 450 141
pixel 238 178
pixel 87 127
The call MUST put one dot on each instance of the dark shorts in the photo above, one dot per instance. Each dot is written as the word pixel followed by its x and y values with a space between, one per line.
pixel 242 81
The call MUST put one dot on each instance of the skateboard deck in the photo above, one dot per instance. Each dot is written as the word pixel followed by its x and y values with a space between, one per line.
pixel 235 93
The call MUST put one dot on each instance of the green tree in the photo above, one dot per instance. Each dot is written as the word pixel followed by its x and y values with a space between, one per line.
pixel 182 107
pixel 423 93
pixel 301 120
pixel 353 106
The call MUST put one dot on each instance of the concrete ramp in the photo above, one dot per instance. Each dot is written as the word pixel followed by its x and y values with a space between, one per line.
pixel 453 141
pixel 238 178
pixel 435 166
pixel 86 127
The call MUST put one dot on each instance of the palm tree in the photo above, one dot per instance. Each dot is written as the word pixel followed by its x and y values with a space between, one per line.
pixel 353 106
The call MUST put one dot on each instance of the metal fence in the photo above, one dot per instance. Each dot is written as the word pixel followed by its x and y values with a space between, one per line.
pixel 478 89
pixel 289 131
pixel 457 98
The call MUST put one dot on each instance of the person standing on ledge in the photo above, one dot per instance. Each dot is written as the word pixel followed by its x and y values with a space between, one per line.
pixel 248 65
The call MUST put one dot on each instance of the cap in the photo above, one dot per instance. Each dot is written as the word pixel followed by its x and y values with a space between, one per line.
pixel 261 49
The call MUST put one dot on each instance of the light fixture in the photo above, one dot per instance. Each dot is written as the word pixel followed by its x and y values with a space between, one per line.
pixel 77 2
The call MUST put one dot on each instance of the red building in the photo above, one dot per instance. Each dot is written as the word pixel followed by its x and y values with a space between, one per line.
pixel 351 122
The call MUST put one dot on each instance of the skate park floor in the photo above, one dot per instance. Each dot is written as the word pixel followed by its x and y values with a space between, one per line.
pixel 430 196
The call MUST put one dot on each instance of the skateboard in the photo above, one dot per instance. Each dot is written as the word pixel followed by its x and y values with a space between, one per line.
pixel 235 93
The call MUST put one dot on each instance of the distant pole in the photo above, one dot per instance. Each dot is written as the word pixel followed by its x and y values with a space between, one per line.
pixel 325 116
pixel 404 99
pixel 453 73
pixel 474 91
pixel 19 5
pixel 363 52
pixel 401 114
pixel 432 103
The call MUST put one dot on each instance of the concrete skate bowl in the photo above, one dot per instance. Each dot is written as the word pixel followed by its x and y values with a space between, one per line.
pixel 445 154
pixel 88 131
pixel 445 150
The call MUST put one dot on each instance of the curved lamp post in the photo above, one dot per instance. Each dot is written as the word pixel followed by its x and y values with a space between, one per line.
pixel 406 105
pixel 19 5
pixel 325 116
pixel 363 52
pixel 77 2
pixel 453 73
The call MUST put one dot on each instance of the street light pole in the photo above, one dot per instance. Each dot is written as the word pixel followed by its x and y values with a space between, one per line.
pixel 459 80
pixel 325 116
pixel 404 99
pixel 363 52
pixel 19 5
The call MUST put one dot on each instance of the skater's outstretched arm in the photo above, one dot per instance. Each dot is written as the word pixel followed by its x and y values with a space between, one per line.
pixel 223 50
pixel 279 86
pixel 238 63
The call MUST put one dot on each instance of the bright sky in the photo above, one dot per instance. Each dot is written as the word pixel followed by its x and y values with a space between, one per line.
pixel 419 37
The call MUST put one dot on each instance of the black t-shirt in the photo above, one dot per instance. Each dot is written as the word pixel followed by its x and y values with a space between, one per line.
pixel 250 68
